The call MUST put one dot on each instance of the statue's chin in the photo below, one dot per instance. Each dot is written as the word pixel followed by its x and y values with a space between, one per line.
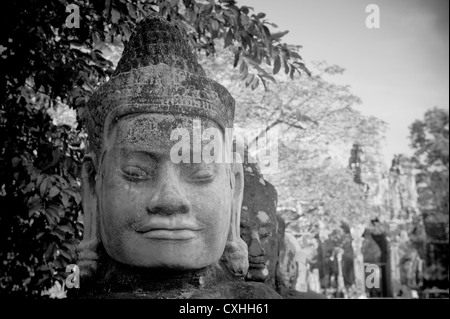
pixel 164 261
pixel 159 254
pixel 257 274
pixel 167 263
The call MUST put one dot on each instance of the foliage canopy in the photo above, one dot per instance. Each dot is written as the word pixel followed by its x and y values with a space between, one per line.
pixel 46 64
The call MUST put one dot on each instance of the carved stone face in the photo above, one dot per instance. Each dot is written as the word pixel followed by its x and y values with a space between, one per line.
pixel 156 213
pixel 259 231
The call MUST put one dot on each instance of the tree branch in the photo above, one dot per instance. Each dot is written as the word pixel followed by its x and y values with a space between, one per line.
pixel 261 134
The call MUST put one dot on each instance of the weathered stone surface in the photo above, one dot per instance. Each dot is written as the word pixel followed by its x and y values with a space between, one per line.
pixel 118 281
pixel 155 213
pixel 291 271
pixel 403 189
pixel 393 195
pixel 273 260
pixel 259 226
pixel 157 73
pixel 155 227
pixel 357 232
pixel 165 44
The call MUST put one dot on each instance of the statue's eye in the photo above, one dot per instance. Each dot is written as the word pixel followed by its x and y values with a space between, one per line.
pixel 199 172
pixel 263 233
pixel 135 173
pixel 245 233
pixel 202 175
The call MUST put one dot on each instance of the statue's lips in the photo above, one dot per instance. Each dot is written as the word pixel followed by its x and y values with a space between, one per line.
pixel 169 233
pixel 257 265
pixel 256 262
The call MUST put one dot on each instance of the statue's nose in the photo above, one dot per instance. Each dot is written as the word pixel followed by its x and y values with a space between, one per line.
pixel 168 196
pixel 255 248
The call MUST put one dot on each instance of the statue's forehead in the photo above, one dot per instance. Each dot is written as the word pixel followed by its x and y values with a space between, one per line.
pixel 154 123
pixel 159 128
pixel 159 133
pixel 257 218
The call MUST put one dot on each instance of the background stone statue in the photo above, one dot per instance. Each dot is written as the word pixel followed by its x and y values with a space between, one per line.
pixel 293 264
pixel 155 228
pixel 259 226
pixel 270 260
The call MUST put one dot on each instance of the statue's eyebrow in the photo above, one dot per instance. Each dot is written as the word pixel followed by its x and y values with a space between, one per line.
pixel 264 226
pixel 127 152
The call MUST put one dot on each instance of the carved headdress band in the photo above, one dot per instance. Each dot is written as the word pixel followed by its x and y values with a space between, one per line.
pixel 158 73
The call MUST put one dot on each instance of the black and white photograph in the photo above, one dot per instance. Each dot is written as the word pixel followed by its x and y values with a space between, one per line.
pixel 216 155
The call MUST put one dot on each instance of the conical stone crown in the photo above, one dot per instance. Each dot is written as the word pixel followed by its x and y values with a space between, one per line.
pixel 158 73
pixel 157 41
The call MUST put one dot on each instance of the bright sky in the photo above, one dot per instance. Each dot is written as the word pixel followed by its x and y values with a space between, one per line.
pixel 400 70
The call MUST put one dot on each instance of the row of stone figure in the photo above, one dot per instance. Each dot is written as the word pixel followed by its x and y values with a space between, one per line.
pixel 156 228
pixel 275 257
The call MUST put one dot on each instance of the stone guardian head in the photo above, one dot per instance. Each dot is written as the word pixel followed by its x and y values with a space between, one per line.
pixel 147 201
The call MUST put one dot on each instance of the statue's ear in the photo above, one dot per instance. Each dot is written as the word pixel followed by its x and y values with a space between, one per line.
pixel 236 251
pixel 88 248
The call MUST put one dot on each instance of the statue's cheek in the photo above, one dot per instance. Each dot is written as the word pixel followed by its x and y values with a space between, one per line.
pixel 214 200
pixel 121 206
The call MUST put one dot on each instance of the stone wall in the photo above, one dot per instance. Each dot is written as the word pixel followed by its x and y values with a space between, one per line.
pixel 392 239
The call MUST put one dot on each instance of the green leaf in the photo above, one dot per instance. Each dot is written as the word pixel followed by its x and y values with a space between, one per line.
pixel 77 198
pixel 61 179
pixel 58 234
pixel 271 78
pixel 57 264
pixel 52 216
pixel 277 36
pixel 245 20
pixel 277 65
pixel 207 9
pixel 242 67
pixel 15 161
pixel 255 83
pixel 215 25
pixel 36 208
pixel 286 67
pixel 219 17
pixel 261 15
pixel 249 79
pixel 303 67
pixel 44 268
pixel 39 180
pixel 115 15
pixel 272 24
pixel 244 70
pixel 53 191
pixel 59 210
pixel 65 199
pixel 295 55
pixel 237 55
pixel 49 251
pixel 267 33
pixel 132 10
pixel 246 10
pixel 76 195
pixel 229 38
pixel 43 187
pixel 126 32
pixel 30 186
pixel 65 254
pixel 39 235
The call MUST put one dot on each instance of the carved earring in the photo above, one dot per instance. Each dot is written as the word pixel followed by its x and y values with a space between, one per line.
pixel 88 247
pixel 235 256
